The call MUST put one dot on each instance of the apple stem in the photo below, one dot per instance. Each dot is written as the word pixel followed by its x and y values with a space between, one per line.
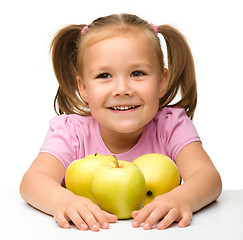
pixel 96 154
pixel 117 164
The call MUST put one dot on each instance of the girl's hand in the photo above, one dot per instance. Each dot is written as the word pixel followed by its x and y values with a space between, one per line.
pixel 82 212
pixel 165 206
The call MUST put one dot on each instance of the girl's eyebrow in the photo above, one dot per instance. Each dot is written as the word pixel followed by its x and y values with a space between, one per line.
pixel 143 64
pixel 101 68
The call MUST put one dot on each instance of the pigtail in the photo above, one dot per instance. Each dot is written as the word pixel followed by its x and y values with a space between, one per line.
pixel 181 71
pixel 64 58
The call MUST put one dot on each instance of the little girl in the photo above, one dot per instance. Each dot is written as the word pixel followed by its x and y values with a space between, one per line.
pixel 114 97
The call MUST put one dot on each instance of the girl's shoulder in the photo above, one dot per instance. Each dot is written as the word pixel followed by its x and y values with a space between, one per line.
pixel 67 135
pixel 68 120
pixel 175 129
pixel 173 121
pixel 171 114
pixel 73 125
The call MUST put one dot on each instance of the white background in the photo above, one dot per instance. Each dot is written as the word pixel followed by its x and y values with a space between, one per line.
pixel 28 86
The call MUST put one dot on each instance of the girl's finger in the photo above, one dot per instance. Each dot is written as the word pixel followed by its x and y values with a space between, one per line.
pixel 76 219
pixel 171 217
pixel 142 215
pixel 186 219
pixel 110 217
pixel 100 217
pixel 158 213
pixel 135 213
pixel 61 220
pixel 89 218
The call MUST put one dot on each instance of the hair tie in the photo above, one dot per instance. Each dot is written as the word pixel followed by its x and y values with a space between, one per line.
pixel 84 28
pixel 155 28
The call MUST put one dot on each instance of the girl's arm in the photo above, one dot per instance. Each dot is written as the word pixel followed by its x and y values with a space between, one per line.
pixel 41 188
pixel 202 185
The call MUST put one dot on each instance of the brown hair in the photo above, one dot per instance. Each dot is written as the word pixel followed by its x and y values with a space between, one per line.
pixel 68 45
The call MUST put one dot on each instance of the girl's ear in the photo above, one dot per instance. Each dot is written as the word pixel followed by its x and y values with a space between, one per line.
pixel 82 89
pixel 163 83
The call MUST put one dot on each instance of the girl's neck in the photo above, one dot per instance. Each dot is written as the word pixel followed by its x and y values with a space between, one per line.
pixel 119 142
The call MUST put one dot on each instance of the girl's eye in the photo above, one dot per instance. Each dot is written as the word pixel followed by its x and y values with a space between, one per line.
pixel 104 75
pixel 137 74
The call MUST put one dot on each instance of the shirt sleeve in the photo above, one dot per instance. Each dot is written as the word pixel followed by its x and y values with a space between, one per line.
pixel 179 131
pixel 61 140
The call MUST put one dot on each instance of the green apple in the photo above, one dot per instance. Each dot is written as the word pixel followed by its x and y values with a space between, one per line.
pixel 119 188
pixel 160 172
pixel 79 174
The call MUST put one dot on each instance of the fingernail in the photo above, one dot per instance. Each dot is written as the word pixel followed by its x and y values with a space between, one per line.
pixel 66 226
pixel 134 214
pixel 135 224
pixel 83 226
pixel 95 227
pixel 105 225
pixel 146 226
pixel 161 226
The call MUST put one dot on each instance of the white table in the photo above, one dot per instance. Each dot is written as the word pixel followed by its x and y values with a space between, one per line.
pixel 222 219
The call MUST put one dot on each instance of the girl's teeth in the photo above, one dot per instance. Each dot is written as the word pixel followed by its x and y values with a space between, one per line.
pixel 123 108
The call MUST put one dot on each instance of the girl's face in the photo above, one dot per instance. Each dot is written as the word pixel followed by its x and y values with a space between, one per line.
pixel 122 83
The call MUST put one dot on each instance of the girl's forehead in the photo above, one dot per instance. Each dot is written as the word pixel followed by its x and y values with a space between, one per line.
pixel 97 35
pixel 128 45
pixel 111 34
pixel 93 37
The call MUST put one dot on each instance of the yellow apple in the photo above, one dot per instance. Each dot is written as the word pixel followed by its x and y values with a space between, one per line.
pixel 119 188
pixel 79 174
pixel 160 172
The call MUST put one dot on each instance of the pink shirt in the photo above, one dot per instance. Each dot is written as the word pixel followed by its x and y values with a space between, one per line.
pixel 72 136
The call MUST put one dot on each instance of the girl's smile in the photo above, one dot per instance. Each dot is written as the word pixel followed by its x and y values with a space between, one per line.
pixel 123 108
pixel 122 82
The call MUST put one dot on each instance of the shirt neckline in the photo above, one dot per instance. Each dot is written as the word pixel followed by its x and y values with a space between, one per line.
pixel 124 155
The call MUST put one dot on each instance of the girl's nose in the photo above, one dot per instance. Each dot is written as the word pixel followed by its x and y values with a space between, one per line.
pixel 122 87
